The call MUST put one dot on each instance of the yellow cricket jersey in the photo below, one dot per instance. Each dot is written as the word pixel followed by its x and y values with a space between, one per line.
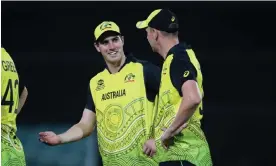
pixel 124 103
pixel 180 65
pixel 9 90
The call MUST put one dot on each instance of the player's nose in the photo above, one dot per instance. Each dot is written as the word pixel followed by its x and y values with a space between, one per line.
pixel 111 46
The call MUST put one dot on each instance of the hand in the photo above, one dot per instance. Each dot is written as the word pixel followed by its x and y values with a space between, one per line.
pixel 149 147
pixel 167 137
pixel 49 138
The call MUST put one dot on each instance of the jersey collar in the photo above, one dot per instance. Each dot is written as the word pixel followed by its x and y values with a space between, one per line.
pixel 175 48
pixel 129 58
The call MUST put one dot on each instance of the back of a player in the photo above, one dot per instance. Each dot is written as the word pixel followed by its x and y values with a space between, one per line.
pixel 190 146
pixel 12 152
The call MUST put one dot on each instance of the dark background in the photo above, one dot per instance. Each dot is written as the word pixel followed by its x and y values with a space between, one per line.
pixel 52 46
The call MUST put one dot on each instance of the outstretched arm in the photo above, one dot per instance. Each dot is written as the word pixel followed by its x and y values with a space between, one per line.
pixel 78 131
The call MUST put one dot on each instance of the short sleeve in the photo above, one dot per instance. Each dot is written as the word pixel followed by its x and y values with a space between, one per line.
pixel 152 77
pixel 90 102
pixel 181 70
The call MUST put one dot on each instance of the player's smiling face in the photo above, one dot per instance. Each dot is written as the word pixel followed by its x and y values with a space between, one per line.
pixel 111 48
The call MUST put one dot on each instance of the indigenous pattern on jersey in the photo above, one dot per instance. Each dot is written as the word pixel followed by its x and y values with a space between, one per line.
pixel 180 66
pixel 12 153
pixel 124 103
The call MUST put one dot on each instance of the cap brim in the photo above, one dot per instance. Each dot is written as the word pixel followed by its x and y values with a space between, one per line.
pixel 106 34
pixel 108 30
pixel 142 24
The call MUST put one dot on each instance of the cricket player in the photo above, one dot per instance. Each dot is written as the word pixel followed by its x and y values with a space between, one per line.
pixel 12 152
pixel 120 101
pixel 177 124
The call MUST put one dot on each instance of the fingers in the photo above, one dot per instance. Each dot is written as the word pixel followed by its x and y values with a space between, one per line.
pixel 168 139
pixel 43 141
pixel 43 136
pixel 147 151
pixel 145 148
pixel 45 133
pixel 167 142
pixel 152 152
pixel 42 133
pixel 164 145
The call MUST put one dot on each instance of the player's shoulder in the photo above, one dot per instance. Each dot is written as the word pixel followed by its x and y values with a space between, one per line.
pixel 181 60
pixel 143 62
pixel 99 76
pixel 5 54
pixel 3 50
pixel 180 52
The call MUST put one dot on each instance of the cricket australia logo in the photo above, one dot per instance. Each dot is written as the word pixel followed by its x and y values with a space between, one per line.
pixel 105 25
pixel 129 78
pixel 100 85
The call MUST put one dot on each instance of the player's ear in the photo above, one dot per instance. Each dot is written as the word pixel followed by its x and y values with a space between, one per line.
pixel 123 39
pixel 155 34
pixel 97 46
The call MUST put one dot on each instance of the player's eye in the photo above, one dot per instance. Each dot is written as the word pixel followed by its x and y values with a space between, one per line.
pixel 115 39
pixel 105 42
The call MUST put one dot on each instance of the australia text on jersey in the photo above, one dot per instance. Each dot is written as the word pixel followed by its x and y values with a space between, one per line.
pixel 114 94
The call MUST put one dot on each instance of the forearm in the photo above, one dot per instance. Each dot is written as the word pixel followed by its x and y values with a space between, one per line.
pixel 186 110
pixel 22 99
pixel 75 133
pixel 153 119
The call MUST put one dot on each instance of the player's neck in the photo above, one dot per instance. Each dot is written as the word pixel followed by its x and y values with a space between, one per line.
pixel 167 45
pixel 115 67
